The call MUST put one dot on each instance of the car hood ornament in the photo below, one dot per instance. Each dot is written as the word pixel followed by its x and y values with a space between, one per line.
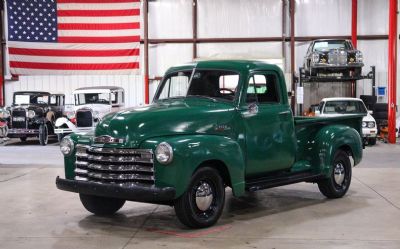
pixel 105 139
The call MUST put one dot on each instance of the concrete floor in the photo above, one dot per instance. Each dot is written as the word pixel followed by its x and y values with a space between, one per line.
pixel 34 214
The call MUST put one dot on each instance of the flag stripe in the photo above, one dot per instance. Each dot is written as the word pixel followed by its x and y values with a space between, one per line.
pixel 31 71
pixel 73 46
pixel 97 1
pixel 126 12
pixel 103 6
pixel 117 39
pixel 98 26
pixel 77 66
pixel 103 19
pixel 99 33
pixel 72 60
pixel 73 53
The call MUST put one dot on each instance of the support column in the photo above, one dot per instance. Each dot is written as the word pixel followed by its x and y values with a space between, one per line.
pixel 292 52
pixel 392 67
pixel 146 51
pixel 194 28
pixel 354 22
pixel 2 101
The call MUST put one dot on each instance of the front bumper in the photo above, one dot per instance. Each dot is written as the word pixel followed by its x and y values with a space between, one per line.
pixel 75 130
pixel 369 133
pixel 337 67
pixel 134 193
pixel 14 133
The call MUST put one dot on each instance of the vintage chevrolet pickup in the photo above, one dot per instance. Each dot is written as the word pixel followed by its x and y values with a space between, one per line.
pixel 212 125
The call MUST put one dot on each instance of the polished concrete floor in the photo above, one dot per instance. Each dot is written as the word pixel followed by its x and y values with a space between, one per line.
pixel 34 214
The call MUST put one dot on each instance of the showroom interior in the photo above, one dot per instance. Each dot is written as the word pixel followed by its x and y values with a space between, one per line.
pixel 199 123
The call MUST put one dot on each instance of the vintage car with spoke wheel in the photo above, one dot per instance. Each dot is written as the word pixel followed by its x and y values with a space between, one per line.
pixel 33 114
pixel 212 125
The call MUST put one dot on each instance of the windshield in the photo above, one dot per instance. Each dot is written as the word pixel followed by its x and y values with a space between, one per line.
pixel 26 99
pixel 344 107
pixel 327 45
pixel 92 98
pixel 216 84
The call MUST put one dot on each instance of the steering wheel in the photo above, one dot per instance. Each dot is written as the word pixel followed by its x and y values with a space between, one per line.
pixel 231 92
pixel 102 101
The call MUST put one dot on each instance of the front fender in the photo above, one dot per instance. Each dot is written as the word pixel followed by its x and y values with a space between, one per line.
pixel 190 151
pixel 329 139
pixel 64 121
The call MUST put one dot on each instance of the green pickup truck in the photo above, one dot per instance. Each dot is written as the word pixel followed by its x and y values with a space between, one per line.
pixel 212 125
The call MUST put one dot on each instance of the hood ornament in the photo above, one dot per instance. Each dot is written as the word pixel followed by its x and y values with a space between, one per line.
pixel 106 139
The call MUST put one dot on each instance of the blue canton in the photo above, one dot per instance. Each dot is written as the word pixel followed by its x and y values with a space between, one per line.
pixel 32 20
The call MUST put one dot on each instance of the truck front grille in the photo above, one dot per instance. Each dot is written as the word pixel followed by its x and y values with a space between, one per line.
pixel 84 118
pixel 18 119
pixel 338 57
pixel 124 167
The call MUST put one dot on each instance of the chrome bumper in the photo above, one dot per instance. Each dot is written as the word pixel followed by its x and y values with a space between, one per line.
pixel 337 66
pixel 75 130
pixel 22 132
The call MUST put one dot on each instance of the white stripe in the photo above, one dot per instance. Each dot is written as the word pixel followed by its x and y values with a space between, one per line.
pixel 27 71
pixel 102 19
pixel 74 60
pixel 96 6
pixel 73 46
pixel 99 33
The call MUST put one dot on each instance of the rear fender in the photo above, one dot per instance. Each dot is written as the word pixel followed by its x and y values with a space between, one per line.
pixel 193 151
pixel 331 138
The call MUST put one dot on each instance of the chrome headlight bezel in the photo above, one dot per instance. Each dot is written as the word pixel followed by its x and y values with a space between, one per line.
pixel 359 56
pixel 315 58
pixel 164 153
pixel 67 146
pixel 31 114
pixel 371 124
pixel 364 124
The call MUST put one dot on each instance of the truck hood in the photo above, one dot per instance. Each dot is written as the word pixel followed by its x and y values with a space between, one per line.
pixel 165 118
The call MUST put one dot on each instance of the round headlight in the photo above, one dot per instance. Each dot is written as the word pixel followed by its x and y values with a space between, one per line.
pixel 66 146
pixel 164 153
pixel 315 58
pixel 364 124
pixel 31 114
pixel 371 124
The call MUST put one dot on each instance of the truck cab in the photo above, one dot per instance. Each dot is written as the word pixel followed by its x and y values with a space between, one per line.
pixel 212 125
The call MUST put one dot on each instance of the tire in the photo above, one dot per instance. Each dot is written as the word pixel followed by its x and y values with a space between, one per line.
pixel 372 141
pixel 201 211
pixel 23 139
pixel 101 206
pixel 43 134
pixel 336 185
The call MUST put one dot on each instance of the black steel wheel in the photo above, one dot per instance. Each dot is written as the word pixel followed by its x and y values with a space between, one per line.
pixel 338 183
pixel 101 206
pixel 202 203
pixel 23 139
pixel 43 134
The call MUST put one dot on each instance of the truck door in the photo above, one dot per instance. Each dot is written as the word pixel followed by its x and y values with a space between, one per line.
pixel 269 127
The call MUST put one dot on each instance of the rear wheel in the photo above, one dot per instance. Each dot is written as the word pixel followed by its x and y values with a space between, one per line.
pixel 202 203
pixel 43 134
pixel 339 180
pixel 101 205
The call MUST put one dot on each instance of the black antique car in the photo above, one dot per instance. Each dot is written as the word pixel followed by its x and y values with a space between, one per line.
pixel 33 114
pixel 333 56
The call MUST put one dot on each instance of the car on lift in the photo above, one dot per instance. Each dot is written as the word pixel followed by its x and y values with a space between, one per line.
pixel 32 114
pixel 90 105
pixel 333 56
pixel 333 107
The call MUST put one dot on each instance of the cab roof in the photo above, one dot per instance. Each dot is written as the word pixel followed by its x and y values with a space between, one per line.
pixel 98 89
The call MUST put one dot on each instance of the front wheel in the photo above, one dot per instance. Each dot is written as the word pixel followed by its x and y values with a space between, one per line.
pixel 101 205
pixel 43 134
pixel 338 183
pixel 202 203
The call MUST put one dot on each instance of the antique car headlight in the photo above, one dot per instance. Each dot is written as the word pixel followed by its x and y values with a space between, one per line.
pixel 31 114
pixel 4 114
pixel 371 124
pixel 66 146
pixel 359 56
pixel 364 124
pixel 315 58
pixel 164 153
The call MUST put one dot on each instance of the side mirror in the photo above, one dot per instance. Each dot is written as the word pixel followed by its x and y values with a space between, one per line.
pixel 289 94
pixel 317 113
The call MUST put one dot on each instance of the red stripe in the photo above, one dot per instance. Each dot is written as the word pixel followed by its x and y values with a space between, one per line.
pixel 64 66
pixel 98 26
pixel 97 1
pixel 74 53
pixel 127 12
pixel 111 39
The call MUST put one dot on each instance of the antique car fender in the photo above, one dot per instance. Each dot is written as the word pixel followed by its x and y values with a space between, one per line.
pixel 193 151
pixel 64 121
pixel 331 138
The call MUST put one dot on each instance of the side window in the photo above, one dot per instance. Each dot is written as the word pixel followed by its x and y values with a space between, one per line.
pixel 263 88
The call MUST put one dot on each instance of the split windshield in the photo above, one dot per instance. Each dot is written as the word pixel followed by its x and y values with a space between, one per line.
pixel 26 99
pixel 328 45
pixel 214 84
pixel 344 107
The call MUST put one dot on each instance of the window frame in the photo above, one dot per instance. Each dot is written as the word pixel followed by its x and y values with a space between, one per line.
pixel 277 87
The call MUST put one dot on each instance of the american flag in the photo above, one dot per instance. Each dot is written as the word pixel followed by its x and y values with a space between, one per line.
pixel 73 36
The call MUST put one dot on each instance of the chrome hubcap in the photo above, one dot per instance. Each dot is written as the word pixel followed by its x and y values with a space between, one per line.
pixel 204 196
pixel 339 173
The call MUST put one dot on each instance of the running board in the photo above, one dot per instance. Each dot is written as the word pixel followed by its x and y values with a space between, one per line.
pixel 276 181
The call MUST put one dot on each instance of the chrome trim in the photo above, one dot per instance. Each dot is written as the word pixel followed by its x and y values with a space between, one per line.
pixel 111 159
pixel 119 151
pixel 81 171
pixel 120 168
pixel 106 139
pixel 79 178
pixel 120 177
